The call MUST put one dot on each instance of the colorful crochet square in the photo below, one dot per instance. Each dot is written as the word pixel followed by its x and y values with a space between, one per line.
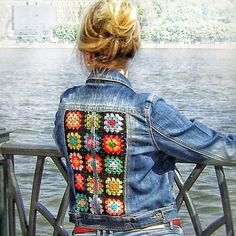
pixel 74 141
pixel 96 146
pixel 96 206
pixel 82 204
pixel 91 142
pixel 91 185
pixel 114 207
pixel 114 186
pixel 112 144
pixel 90 163
pixel 73 120
pixel 113 123
pixel 113 165
pixel 76 161
pixel 88 121
pixel 79 182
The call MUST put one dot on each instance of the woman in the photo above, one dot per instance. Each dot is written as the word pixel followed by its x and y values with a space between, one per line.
pixel 121 146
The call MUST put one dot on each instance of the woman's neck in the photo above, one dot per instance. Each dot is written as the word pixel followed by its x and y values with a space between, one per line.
pixel 124 72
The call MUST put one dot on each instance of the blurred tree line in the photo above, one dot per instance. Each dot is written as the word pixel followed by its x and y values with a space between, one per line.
pixel 186 21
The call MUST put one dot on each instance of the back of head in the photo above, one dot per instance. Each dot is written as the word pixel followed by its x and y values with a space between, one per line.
pixel 110 31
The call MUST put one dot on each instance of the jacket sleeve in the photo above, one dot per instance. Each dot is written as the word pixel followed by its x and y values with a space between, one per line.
pixel 189 140
pixel 58 131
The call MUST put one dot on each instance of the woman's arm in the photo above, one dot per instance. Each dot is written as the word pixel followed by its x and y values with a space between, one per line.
pixel 187 139
pixel 58 131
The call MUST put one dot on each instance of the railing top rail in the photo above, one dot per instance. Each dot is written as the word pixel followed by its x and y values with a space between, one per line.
pixel 29 150
pixel 51 150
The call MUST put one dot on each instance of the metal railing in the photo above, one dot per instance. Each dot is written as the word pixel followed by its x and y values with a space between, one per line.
pixel 4 136
pixel 13 193
pixel 11 198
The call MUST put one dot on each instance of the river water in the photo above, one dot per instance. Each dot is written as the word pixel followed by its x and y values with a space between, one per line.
pixel 201 83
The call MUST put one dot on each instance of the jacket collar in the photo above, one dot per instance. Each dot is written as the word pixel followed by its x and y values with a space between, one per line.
pixel 109 76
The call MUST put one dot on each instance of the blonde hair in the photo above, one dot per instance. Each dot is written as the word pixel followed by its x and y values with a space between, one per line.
pixel 110 30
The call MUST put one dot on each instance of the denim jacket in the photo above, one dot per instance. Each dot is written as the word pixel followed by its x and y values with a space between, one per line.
pixel 121 147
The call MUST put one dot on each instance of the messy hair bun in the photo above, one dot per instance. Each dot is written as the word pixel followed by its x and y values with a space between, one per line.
pixel 111 31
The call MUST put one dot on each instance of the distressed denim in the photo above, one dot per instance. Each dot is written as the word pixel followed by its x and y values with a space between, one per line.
pixel 156 135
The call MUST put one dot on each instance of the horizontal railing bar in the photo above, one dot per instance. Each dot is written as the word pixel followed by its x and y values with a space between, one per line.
pixel 29 150
pixel 51 151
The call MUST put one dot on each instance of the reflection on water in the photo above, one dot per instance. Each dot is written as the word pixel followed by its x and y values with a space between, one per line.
pixel 200 83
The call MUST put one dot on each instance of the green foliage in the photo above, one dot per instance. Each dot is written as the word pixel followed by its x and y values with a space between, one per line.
pixel 188 21
pixel 66 32
pixel 178 21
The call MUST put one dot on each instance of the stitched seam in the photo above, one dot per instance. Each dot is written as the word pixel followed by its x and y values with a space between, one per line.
pixel 74 106
pixel 112 80
pixel 148 116
pixel 209 155
pixel 127 119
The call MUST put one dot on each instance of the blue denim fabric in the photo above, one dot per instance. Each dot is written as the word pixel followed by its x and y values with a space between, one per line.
pixel 157 134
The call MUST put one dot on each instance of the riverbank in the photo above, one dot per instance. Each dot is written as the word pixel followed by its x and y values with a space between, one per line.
pixel 216 45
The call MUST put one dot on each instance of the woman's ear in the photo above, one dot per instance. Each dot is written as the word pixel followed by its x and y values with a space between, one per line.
pixel 89 59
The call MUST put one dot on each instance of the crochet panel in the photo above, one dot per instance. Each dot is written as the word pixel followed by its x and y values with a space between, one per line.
pixel 96 144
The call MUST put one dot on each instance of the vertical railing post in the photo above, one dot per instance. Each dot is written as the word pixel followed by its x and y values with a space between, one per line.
pixel 3 202
pixel 11 211
pixel 4 136
pixel 228 218
pixel 35 194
